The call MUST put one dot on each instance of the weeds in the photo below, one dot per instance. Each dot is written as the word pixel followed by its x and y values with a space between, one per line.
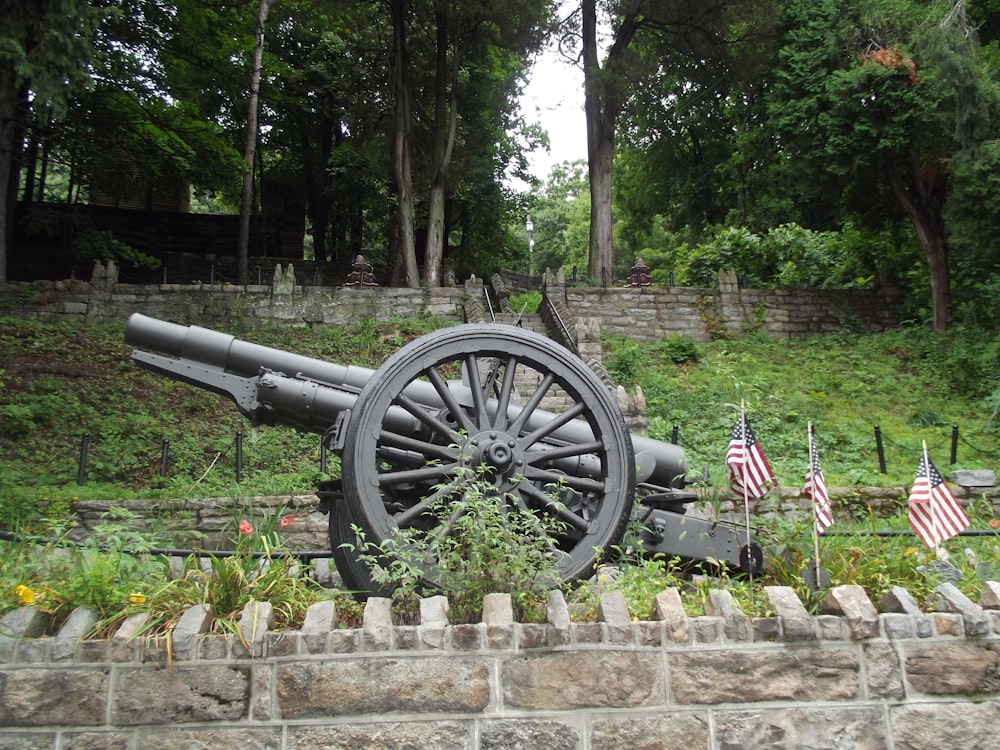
pixel 492 546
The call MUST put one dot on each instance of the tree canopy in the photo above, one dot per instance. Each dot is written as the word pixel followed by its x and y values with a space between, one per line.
pixel 825 142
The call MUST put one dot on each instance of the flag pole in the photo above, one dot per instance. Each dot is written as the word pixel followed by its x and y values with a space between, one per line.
pixel 746 493
pixel 743 470
pixel 812 492
pixel 930 500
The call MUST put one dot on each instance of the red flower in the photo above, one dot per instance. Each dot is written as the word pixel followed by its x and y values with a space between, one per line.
pixel 286 521
pixel 245 528
pixel 994 523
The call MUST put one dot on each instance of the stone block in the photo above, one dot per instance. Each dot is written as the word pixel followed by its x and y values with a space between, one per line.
pixel 930 726
pixel 885 675
pixel 684 730
pixel 853 603
pixel 669 608
pixel 377 624
pixel 732 676
pixel 376 685
pixel 613 612
pixel 79 624
pixel 802 728
pixel 570 680
pixel 948 598
pixel 498 617
pixel 557 614
pixel 737 626
pixel 952 668
pixel 195 621
pixel 796 624
pixel 53 697
pixel 147 695
pixel 515 734
pixel 245 738
pixel 255 621
pixel 439 735
pixel 321 618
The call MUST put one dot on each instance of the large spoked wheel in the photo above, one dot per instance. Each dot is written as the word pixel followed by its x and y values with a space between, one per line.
pixel 507 407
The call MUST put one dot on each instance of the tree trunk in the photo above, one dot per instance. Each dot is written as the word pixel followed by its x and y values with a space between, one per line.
pixel 921 195
pixel 602 104
pixel 250 147
pixel 9 99
pixel 404 253
pixel 445 124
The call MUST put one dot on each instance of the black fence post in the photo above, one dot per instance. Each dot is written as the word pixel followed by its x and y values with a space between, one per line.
pixel 164 456
pixel 322 457
pixel 239 456
pixel 675 434
pixel 881 450
pixel 81 467
pixel 954 443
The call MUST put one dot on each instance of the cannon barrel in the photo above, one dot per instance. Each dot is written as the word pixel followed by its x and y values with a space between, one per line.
pixel 309 394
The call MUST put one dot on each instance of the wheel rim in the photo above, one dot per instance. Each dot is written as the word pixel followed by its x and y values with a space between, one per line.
pixel 414 439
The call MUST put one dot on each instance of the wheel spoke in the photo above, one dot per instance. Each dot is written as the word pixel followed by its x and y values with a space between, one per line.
pixel 410 476
pixel 506 390
pixel 556 508
pixel 563 451
pixel 476 384
pixel 421 413
pixel 448 399
pixel 428 450
pixel 529 408
pixel 407 517
pixel 580 484
pixel 551 426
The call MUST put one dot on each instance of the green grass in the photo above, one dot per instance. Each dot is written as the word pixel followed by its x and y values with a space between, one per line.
pixel 58 381
pixel 903 381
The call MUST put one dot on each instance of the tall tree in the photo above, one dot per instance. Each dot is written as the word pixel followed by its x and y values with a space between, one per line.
pixel 402 241
pixel 694 27
pixel 873 100
pixel 250 145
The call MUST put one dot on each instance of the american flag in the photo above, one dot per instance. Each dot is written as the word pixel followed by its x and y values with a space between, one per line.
pixel 749 470
pixel 935 514
pixel 816 489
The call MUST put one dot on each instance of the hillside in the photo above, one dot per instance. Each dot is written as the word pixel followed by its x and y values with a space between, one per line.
pixel 60 381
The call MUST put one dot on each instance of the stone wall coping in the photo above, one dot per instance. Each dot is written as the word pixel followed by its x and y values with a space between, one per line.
pixel 847 614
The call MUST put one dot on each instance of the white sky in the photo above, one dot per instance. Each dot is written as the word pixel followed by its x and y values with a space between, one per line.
pixel 553 98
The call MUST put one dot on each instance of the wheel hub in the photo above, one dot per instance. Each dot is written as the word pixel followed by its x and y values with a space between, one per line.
pixel 495 450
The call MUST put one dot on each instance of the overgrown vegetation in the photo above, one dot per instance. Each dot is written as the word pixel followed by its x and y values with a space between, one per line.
pixel 61 380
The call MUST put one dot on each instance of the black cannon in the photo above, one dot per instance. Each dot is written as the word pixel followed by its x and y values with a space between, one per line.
pixel 500 400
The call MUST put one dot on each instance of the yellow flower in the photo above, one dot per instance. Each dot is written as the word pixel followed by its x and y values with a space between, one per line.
pixel 137 598
pixel 24 595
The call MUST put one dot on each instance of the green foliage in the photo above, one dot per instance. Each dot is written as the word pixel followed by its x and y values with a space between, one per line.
pixel 490 547
pixel 66 379
pixel 911 383
pixel 787 255
pixel 102 573
pixel 526 302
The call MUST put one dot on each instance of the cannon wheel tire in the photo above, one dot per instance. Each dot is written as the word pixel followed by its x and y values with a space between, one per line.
pixel 416 433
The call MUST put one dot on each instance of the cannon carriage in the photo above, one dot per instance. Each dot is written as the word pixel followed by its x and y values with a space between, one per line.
pixel 503 403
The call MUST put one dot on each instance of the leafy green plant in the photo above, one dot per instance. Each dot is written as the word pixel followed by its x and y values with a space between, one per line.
pixel 101 573
pixel 491 547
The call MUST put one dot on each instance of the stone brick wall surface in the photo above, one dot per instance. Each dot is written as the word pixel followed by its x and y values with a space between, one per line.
pixel 641 313
pixel 853 676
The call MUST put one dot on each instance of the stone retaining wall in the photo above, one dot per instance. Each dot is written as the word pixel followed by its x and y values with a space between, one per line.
pixel 642 313
pixel 854 676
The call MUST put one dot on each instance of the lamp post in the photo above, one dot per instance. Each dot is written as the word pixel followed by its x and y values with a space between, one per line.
pixel 531 246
